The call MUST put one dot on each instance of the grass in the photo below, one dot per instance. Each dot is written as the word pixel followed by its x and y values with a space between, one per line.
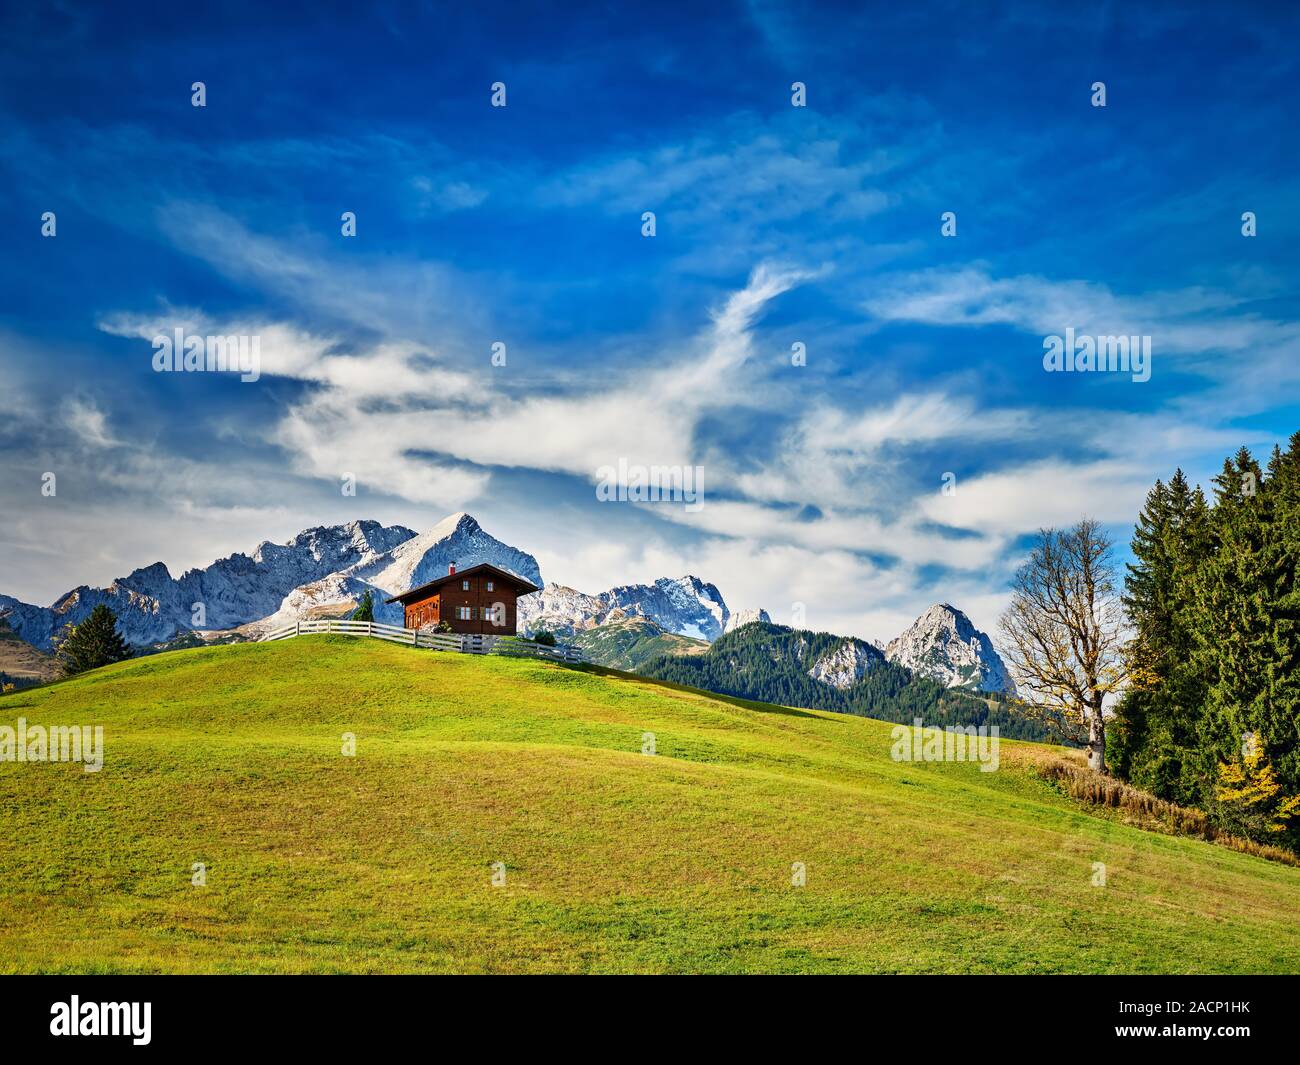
pixel 615 861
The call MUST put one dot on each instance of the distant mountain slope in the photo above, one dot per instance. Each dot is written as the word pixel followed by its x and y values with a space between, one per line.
pixel 686 606
pixel 792 667
pixel 20 662
pixel 745 617
pixel 943 644
pixel 628 643
pixel 152 606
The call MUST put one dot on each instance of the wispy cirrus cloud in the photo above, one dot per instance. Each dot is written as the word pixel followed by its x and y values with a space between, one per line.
pixel 1198 324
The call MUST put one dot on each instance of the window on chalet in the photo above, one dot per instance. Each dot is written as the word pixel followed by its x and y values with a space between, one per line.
pixel 465 613
pixel 464 586
pixel 489 586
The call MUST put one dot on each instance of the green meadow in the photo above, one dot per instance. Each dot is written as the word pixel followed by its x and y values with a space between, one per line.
pixel 614 860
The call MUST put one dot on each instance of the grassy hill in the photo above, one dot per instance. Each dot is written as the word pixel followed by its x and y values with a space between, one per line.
pixel 615 860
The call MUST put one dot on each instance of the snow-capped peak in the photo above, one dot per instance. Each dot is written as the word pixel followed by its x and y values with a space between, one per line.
pixel 458 539
pixel 685 605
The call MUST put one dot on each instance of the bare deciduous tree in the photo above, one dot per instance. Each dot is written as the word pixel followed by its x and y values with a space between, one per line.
pixel 1064 629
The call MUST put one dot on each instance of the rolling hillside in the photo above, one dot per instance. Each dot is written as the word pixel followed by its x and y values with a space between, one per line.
pixel 615 860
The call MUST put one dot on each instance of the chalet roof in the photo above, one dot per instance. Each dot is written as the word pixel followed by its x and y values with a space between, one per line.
pixel 522 587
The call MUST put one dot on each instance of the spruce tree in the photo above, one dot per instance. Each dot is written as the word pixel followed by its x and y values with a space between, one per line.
pixel 365 610
pixel 1279 708
pixel 94 643
pixel 1213 605
pixel 1230 610
pixel 1136 737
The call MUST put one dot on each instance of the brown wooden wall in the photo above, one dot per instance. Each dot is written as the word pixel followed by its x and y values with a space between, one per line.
pixel 422 614
pixel 446 603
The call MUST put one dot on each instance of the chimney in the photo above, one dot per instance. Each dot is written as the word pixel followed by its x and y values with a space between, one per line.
pixel 451 569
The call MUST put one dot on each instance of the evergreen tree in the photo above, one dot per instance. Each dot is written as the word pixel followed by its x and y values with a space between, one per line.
pixel 94 643
pixel 1132 737
pixel 1278 722
pixel 1154 734
pixel 1230 611
pixel 365 610
pixel 1215 655
pixel 771 663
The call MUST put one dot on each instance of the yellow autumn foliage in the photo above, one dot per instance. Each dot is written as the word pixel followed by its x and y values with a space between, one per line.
pixel 1251 786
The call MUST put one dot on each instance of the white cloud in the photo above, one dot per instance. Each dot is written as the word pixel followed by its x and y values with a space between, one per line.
pixel 87 421
pixel 648 420
pixel 764 173
pixel 1041 494
pixel 1211 330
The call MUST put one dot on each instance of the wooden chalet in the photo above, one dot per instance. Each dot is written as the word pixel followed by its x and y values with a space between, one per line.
pixel 480 600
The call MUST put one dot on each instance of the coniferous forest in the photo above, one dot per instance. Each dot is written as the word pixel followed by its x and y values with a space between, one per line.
pixel 771 663
pixel 1212 716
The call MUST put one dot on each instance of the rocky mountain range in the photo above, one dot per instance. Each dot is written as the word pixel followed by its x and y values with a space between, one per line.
pixel 321 572
pixel 686 606
pixel 325 571
pixel 416 560
pixel 944 645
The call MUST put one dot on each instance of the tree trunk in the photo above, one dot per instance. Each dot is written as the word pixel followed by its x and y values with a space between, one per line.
pixel 1096 741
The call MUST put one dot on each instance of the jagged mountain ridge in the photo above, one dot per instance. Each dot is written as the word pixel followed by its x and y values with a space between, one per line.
pixel 944 645
pixel 323 570
pixel 152 606
pixel 685 606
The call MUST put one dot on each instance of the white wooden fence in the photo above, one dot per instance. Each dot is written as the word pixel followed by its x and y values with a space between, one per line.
pixel 511 646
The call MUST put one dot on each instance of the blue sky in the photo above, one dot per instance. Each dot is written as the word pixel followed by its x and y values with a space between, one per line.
pixel 522 225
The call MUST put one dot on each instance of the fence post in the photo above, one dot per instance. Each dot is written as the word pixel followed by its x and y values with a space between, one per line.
pixel 297 628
